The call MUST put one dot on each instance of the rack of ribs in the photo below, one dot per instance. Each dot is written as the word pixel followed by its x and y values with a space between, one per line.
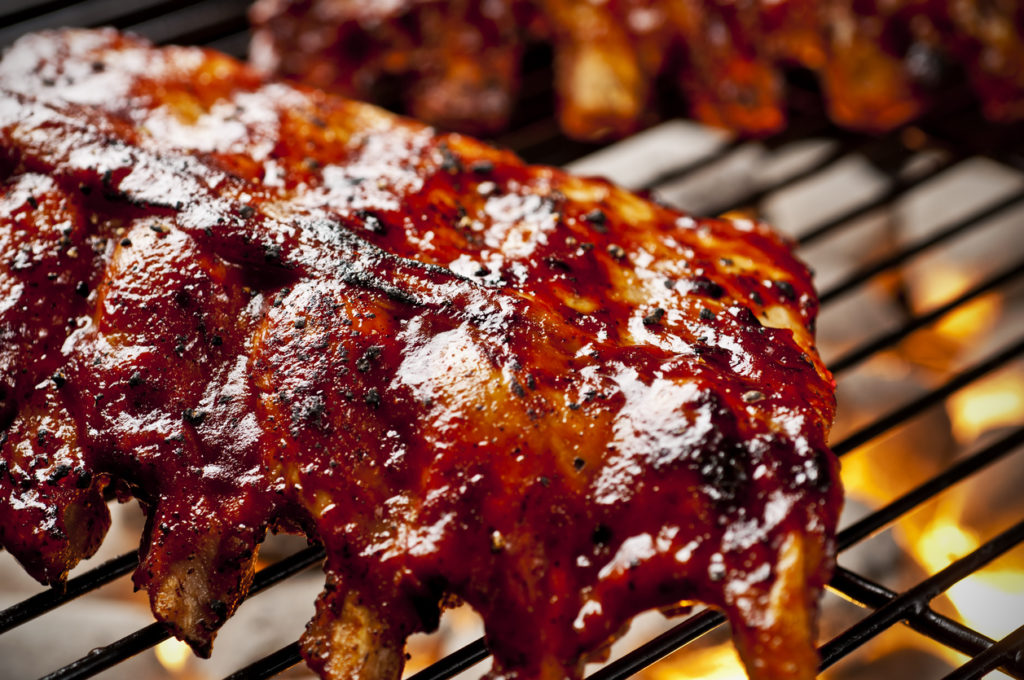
pixel 256 307
pixel 880 64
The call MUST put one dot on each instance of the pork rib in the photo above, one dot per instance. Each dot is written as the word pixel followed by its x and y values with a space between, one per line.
pixel 880 64
pixel 258 307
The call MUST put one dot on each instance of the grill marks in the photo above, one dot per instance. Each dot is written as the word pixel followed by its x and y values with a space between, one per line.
pixel 246 361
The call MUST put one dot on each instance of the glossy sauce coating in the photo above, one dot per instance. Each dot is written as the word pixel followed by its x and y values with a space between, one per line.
pixel 880 64
pixel 255 306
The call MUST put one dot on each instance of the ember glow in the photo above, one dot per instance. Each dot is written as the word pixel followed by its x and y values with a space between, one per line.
pixel 989 403
pixel 713 663
pixel 173 655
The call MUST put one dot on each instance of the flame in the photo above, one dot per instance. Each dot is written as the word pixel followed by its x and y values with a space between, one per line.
pixel 720 662
pixel 939 345
pixel 992 402
pixel 173 655
pixel 990 599
pixel 942 542
pixel 940 284
pixel 936 534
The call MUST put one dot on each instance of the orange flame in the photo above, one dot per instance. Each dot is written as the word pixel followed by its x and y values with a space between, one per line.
pixel 989 403
pixel 710 663
pixel 173 655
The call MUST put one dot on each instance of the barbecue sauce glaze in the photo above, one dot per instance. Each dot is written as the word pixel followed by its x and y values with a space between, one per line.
pixel 257 307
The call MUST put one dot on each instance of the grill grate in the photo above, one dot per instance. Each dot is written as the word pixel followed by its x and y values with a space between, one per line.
pixel 911 159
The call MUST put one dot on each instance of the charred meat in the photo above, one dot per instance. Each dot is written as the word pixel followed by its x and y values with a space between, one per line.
pixel 880 64
pixel 257 307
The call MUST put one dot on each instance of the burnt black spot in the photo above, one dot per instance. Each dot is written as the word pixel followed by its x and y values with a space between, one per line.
pixel 785 289
pixel 602 535
pixel 482 167
pixel 707 287
pixel 219 608
pixel 372 397
pixel 82 478
pixel 449 161
pixel 59 473
pixel 723 472
pixel 193 416
pixel 744 315
pixel 598 220
pixel 654 318
pixel 365 362
pixel 556 263
pixel 371 222
pixel 271 252
pixel 517 389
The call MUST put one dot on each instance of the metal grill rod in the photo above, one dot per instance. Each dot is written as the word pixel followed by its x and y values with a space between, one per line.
pixel 103 658
pixel 37 605
pixel 892 511
pixel 18 10
pixel 867 593
pixel 917 598
pixel 931 398
pixel 868 349
pixel 841 150
pixel 896 190
pixel 661 646
pixel 194 23
pixel 694 627
pixel 456 662
pixel 1010 647
pixel 865 274
pixel 270 665
pixel 133 644
pixel 687 169
pixel 93 13
pixel 705 621
pixel 288 656
pixel 701 623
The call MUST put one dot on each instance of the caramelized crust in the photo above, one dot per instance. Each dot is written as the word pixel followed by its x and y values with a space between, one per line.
pixel 880 63
pixel 255 306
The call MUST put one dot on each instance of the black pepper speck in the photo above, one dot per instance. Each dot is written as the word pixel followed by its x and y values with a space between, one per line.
pixel 194 416
pixel 372 397
pixel 654 318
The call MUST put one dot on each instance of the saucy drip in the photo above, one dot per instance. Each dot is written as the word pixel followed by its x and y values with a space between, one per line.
pixel 257 307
